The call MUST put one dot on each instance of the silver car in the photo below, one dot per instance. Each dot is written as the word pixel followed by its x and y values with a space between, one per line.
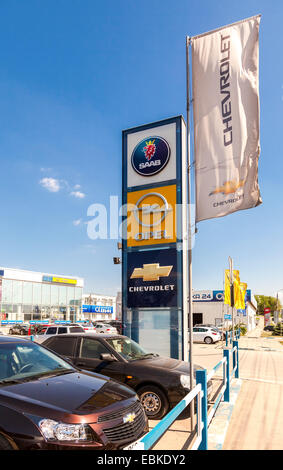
pixel 104 328
pixel 57 330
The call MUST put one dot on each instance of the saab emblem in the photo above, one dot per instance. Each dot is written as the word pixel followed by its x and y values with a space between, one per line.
pixel 150 156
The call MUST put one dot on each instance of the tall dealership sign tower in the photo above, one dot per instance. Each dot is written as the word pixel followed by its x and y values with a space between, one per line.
pixel 154 248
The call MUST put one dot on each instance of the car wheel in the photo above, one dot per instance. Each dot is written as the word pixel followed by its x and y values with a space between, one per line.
pixel 154 401
pixel 4 444
pixel 208 340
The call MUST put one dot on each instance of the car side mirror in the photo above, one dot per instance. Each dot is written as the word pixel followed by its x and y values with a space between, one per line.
pixel 107 357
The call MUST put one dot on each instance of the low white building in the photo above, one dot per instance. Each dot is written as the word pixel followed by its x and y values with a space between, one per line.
pixel 98 307
pixel 209 308
pixel 39 296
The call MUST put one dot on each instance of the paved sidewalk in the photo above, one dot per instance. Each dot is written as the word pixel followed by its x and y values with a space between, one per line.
pixel 253 419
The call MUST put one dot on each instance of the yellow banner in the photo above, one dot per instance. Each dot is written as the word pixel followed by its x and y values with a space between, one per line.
pixel 62 280
pixel 227 288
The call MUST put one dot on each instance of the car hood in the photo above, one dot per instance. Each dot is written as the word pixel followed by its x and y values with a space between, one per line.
pixel 65 396
pixel 167 363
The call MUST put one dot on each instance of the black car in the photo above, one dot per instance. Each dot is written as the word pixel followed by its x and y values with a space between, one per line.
pixel 269 328
pixel 46 403
pixel 20 329
pixel 160 382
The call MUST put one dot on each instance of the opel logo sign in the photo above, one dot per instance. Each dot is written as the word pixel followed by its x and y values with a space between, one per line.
pixel 142 209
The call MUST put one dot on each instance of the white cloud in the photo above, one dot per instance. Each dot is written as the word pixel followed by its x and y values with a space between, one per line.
pixel 78 194
pixel 51 184
pixel 77 186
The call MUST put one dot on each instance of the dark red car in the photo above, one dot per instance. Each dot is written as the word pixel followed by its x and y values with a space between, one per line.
pixel 46 403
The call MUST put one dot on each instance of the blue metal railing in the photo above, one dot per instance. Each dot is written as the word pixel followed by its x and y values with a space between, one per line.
pixel 200 392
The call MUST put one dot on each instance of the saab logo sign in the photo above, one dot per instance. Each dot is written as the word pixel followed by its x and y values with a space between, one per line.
pixel 151 216
pixel 152 278
pixel 150 156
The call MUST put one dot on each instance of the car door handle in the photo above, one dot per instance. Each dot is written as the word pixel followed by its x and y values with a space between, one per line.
pixel 80 364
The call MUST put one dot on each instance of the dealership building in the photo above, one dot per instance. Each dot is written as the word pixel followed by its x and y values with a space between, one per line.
pixel 209 308
pixel 98 307
pixel 35 296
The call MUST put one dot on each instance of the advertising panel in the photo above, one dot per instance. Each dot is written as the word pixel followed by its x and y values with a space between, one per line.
pixel 151 155
pixel 151 216
pixel 152 278
pixel 154 235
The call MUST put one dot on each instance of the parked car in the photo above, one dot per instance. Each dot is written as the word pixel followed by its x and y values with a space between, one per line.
pixel 269 328
pixel 47 403
pixel 160 382
pixel 117 324
pixel 105 328
pixel 206 335
pixel 57 330
pixel 219 329
pixel 21 329
pixel 87 325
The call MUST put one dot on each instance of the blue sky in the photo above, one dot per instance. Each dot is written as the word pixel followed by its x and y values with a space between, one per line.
pixel 73 75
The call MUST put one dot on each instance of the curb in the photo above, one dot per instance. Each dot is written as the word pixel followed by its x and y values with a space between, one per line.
pixel 220 423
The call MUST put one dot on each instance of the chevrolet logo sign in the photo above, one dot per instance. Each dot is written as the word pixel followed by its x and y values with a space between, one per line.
pixel 151 272
pixel 129 418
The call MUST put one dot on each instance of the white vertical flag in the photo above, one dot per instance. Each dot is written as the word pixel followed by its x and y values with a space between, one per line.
pixel 226 119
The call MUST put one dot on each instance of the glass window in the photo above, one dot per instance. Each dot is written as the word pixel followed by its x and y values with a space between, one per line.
pixel 76 329
pixel 70 295
pixel 7 291
pixel 46 294
pixel 51 331
pixel 17 292
pixel 92 348
pixel 78 295
pixel 128 348
pixel 27 293
pixel 22 361
pixel 62 295
pixel 37 294
pixel 64 346
pixel 54 295
pixel 62 330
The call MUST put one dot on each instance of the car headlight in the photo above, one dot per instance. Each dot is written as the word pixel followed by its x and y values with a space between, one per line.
pixel 54 431
pixel 185 381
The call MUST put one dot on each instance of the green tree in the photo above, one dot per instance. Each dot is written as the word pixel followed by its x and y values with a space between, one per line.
pixel 264 301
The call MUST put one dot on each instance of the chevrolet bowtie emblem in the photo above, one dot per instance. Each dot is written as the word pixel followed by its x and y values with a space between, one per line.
pixel 129 418
pixel 151 272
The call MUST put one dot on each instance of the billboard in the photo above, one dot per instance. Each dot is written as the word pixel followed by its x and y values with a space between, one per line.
pixel 152 278
pixel 154 238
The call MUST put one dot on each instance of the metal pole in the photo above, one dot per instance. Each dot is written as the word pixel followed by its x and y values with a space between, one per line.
pixel 232 293
pixel 190 288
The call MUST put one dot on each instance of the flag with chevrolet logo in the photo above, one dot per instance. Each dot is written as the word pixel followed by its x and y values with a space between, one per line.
pixel 226 119
pixel 152 278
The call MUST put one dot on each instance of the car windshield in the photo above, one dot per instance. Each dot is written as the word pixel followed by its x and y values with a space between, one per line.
pixel 129 349
pixel 25 361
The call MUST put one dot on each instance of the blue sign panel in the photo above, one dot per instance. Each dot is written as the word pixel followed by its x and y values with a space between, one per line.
pixel 97 309
pixel 214 296
pixel 1 272
pixel 152 278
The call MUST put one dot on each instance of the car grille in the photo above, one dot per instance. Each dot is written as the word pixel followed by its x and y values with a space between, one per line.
pixel 128 431
pixel 133 408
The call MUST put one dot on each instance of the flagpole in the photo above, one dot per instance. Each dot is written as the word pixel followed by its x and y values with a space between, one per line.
pixel 190 288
